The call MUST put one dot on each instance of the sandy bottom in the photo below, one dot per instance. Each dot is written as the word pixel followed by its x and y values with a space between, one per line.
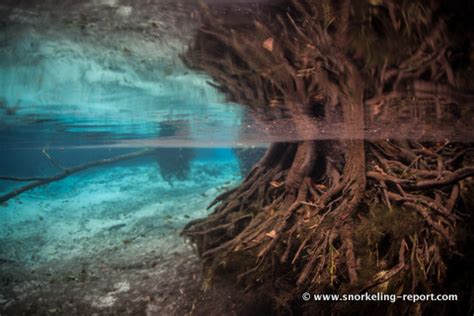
pixel 107 242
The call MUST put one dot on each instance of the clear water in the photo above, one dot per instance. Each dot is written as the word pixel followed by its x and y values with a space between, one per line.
pixel 96 82
pixel 83 81
pixel 92 82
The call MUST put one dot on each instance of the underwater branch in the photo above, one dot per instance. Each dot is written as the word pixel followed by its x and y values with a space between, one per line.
pixel 38 181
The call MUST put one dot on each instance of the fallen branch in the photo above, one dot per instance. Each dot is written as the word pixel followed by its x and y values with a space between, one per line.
pixel 67 172
pixel 20 179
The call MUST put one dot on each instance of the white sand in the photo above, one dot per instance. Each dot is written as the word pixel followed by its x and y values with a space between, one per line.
pixel 106 208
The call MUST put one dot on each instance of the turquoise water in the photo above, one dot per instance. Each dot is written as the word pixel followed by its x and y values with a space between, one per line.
pixel 69 95
pixel 73 97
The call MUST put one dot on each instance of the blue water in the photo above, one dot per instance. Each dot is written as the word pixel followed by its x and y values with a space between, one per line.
pixel 70 95
pixel 60 88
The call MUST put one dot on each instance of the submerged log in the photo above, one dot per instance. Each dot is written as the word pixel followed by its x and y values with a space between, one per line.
pixel 35 182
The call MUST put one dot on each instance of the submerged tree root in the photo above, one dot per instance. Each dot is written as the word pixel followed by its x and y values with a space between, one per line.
pixel 314 238
pixel 352 215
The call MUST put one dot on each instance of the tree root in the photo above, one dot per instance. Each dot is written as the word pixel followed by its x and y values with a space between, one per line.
pixel 349 215
pixel 316 235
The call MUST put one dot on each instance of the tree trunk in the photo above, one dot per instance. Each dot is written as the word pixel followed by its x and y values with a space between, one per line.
pixel 345 215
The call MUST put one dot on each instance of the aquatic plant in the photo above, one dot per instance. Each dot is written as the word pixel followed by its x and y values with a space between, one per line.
pixel 348 215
